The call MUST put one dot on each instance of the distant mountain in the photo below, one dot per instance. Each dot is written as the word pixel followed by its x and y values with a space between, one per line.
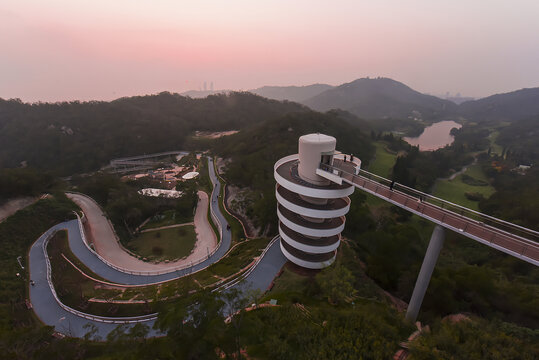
pixel 200 94
pixel 381 98
pixel 291 93
pixel 458 99
pixel 516 105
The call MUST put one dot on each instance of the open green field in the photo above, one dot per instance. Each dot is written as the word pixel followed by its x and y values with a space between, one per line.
pixel 454 190
pixel 166 244
pixel 383 162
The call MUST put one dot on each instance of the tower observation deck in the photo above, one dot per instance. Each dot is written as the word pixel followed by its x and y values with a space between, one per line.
pixel 311 208
pixel 312 194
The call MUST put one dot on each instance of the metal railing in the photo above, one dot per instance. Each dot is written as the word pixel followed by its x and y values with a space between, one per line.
pixel 104 319
pixel 147 273
pixel 457 210
pixel 138 157
pixel 244 275
pixel 155 272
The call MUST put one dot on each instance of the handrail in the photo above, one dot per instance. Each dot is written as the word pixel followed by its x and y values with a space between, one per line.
pixel 166 153
pixel 132 319
pixel 244 275
pixel 105 319
pixel 156 272
pixel 448 206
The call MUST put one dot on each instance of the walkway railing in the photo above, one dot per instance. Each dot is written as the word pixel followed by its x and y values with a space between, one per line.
pixel 458 210
pixel 155 272
pixel 246 274
pixel 161 154
pixel 104 319
pixel 510 238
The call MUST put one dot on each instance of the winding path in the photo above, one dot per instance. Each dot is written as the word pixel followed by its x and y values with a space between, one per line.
pixel 108 246
pixel 51 313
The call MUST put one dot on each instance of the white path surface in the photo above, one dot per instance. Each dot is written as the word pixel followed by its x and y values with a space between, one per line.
pixel 108 247
pixel 206 238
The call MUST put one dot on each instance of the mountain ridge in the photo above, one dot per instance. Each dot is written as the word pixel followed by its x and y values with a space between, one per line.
pixel 291 93
pixel 373 98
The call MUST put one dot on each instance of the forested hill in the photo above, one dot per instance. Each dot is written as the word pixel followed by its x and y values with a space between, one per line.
pixel 254 151
pixel 74 137
pixel 382 98
pixel 291 93
pixel 516 105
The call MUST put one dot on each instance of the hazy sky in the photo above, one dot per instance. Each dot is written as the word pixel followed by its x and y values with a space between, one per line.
pixel 74 49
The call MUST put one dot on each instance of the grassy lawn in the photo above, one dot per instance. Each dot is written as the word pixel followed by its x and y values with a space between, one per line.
pixel 166 244
pixel 454 190
pixel 383 161
pixel 166 218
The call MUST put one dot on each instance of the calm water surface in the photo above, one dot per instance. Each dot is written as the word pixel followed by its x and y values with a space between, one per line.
pixel 435 136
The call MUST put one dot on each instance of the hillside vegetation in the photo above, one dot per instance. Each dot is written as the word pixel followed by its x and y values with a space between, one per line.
pixel 291 93
pixel 73 137
pixel 515 105
pixel 254 151
pixel 382 98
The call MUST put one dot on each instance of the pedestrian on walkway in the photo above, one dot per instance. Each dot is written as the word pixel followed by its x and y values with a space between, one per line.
pixel 391 185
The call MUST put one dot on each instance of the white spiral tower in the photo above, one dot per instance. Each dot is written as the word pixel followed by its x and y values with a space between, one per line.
pixel 311 207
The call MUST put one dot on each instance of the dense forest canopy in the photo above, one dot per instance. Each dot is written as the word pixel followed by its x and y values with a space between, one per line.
pixel 254 151
pixel 73 137
pixel 385 246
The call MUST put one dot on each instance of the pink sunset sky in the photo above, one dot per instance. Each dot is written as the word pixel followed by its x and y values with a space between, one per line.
pixel 100 50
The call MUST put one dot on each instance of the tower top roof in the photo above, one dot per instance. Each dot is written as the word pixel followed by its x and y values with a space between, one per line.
pixel 317 138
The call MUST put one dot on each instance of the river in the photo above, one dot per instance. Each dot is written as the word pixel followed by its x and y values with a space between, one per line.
pixel 435 136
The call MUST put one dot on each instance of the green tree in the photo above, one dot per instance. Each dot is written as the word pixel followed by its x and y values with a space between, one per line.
pixel 336 283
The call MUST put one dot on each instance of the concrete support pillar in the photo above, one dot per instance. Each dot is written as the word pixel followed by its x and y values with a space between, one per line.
pixel 433 250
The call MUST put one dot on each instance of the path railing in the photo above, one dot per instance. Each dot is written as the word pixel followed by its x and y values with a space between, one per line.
pixel 244 275
pixel 132 272
pixel 521 233
pixel 104 319
pixel 155 272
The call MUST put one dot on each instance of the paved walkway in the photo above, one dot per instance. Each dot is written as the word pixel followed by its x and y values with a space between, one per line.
pixel 43 301
pixel 206 238
pixel 51 313
pixel 107 245
pixel 485 229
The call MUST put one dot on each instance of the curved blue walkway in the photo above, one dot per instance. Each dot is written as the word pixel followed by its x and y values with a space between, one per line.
pixel 82 252
pixel 51 313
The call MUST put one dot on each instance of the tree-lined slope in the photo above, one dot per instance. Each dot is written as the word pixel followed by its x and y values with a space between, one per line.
pixel 291 93
pixel 381 98
pixel 516 105
pixel 78 137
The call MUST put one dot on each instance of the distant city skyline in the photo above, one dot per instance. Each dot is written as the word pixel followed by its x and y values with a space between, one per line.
pixel 100 50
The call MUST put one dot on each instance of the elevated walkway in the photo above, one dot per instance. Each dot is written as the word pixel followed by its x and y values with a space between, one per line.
pixel 510 238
